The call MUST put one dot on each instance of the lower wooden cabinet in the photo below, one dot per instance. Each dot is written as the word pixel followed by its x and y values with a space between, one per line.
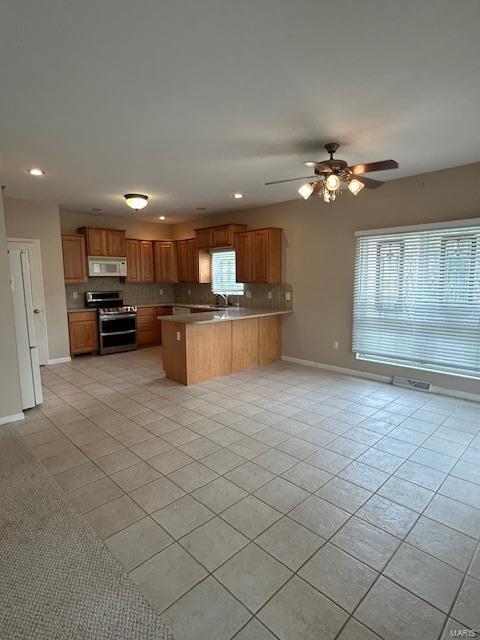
pixel 149 329
pixel 83 331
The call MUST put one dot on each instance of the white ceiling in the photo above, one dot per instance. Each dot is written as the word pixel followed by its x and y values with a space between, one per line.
pixel 192 100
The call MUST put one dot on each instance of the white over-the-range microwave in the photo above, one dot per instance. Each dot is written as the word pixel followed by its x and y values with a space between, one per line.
pixel 107 267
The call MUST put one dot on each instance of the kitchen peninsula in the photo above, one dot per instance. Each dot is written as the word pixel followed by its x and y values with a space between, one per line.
pixel 211 344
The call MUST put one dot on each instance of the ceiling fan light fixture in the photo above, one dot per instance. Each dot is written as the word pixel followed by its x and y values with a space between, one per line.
pixel 332 182
pixel 306 190
pixel 329 196
pixel 136 201
pixel 355 186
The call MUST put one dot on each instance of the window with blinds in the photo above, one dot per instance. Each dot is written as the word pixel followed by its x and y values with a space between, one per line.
pixel 417 297
pixel 223 273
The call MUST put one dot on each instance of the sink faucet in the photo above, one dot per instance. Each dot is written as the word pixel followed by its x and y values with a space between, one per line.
pixel 224 296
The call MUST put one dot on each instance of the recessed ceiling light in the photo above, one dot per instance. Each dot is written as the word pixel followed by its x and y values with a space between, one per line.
pixel 36 172
pixel 161 217
pixel 237 196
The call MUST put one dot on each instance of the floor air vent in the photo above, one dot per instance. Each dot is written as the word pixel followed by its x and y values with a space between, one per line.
pixel 401 381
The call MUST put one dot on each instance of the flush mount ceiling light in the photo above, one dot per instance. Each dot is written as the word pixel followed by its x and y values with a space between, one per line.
pixel 36 172
pixel 332 176
pixel 237 196
pixel 136 201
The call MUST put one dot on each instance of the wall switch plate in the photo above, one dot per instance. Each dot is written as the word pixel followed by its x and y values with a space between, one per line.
pixel 189 292
pixel 269 295
pixel 75 295
pixel 335 345
pixel 248 294
pixel 288 295
pixel 178 336
pixel 160 291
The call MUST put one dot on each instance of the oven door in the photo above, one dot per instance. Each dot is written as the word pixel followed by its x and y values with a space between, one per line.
pixel 118 332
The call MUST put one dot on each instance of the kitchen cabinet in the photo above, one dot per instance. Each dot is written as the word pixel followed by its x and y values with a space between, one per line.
pixel 140 261
pixel 193 264
pixel 258 255
pixel 146 326
pixel 74 258
pixel 133 261
pixel 83 332
pixel 149 329
pixel 105 242
pixel 165 257
pixel 219 236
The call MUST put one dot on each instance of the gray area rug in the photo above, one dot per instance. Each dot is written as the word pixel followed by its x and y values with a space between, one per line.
pixel 57 579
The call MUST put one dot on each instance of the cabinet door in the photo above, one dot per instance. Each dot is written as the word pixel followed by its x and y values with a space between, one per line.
pixel 133 261
pixel 221 236
pixel 260 256
pixel 146 261
pixel 205 238
pixel 183 264
pixel 116 243
pixel 166 268
pixel 74 258
pixel 97 242
pixel 243 256
pixel 192 254
pixel 83 336
pixel 160 311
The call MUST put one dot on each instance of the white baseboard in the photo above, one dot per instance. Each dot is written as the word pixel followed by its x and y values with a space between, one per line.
pixel 59 360
pixel 331 367
pixel 475 397
pixel 15 418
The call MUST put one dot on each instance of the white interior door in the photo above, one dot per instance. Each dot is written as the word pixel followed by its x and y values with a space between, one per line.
pixel 32 247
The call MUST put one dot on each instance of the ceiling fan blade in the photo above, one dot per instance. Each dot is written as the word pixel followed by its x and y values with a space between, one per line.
pixel 322 167
pixel 381 165
pixel 290 180
pixel 369 182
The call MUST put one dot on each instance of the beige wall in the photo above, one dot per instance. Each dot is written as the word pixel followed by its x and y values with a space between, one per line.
pixel 10 399
pixel 319 256
pixel 71 221
pixel 26 219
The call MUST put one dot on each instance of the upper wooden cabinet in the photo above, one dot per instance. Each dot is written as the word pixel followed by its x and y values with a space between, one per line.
pixel 259 255
pixel 105 242
pixel 140 260
pixel 216 237
pixel 193 264
pixel 166 267
pixel 74 258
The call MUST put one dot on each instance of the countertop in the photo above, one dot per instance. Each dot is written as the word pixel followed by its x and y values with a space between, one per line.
pixel 221 315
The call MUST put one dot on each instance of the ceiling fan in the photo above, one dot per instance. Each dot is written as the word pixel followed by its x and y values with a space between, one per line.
pixel 333 175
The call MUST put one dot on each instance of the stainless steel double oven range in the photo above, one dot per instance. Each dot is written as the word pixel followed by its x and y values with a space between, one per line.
pixel 117 324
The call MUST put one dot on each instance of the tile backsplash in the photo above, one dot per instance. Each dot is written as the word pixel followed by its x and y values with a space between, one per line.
pixel 132 293
pixel 257 296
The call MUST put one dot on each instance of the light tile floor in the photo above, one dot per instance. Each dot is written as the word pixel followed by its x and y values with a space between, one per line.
pixel 284 502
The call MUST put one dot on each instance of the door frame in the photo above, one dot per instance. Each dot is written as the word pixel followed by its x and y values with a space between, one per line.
pixel 43 350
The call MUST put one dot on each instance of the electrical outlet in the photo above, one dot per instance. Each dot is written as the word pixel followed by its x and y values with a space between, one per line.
pixel 178 336
pixel 189 292
pixel 288 295
pixel 160 291
pixel 248 294
pixel 269 295
pixel 335 345
pixel 75 295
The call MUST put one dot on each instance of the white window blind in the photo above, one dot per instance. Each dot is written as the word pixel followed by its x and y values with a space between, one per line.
pixel 417 297
pixel 223 273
